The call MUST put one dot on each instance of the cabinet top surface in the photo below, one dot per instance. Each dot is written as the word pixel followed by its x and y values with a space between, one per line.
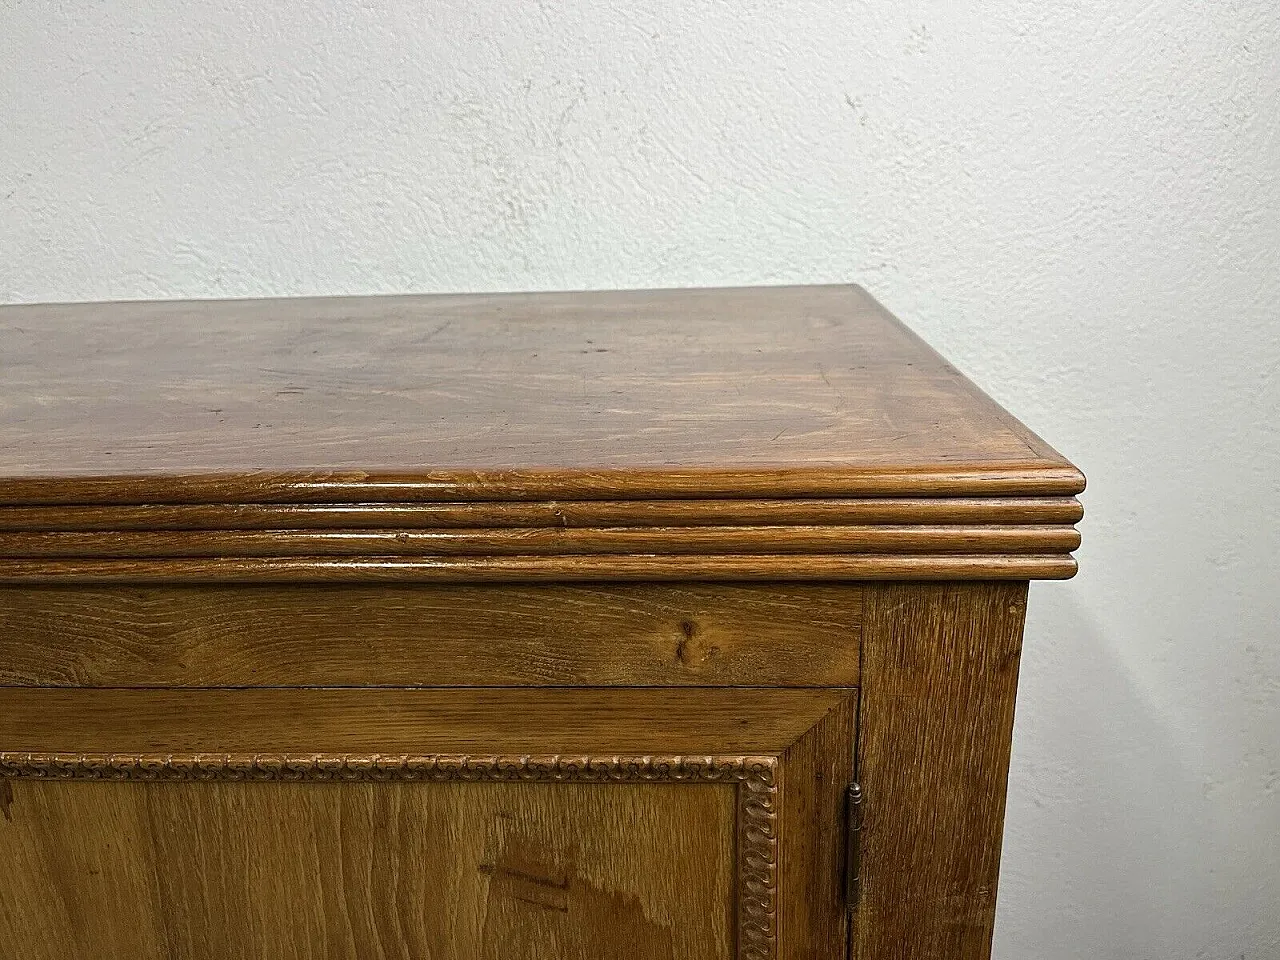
pixel 801 391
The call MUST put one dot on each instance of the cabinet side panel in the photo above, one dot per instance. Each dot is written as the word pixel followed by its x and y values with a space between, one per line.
pixel 940 673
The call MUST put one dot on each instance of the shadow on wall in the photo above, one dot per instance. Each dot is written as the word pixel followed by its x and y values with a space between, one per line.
pixel 1105 838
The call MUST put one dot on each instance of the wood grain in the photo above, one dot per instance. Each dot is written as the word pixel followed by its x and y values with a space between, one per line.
pixel 940 672
pixel 562 513
pixel 813 921
pixel 220 767
pixel 598 572
pixel 591 721
pixel 527 569
pixel 432 635
pixel 750 393
pixel 769 480
pixel 548 541
pixel 247 870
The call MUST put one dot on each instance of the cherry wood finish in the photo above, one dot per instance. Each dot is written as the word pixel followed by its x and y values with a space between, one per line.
pixel 537 625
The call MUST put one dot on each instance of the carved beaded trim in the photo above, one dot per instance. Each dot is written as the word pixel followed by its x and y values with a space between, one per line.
pixel 755 778
pixel 376 766
pixel 758 868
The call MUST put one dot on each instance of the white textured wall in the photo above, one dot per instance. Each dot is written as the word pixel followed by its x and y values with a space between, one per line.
pixel 1078 202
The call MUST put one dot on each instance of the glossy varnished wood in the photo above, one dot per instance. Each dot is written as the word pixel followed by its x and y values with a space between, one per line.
pixel 739 393
pixel 940 675
pixel 432 635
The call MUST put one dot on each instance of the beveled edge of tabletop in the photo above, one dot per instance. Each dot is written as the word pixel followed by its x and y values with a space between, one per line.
pixel 1046 477
pixel 940 519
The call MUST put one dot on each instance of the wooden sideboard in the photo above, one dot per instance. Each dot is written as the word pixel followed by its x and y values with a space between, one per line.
pixel 667 624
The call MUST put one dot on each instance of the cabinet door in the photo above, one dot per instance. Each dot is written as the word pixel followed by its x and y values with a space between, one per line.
pixel 423 823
